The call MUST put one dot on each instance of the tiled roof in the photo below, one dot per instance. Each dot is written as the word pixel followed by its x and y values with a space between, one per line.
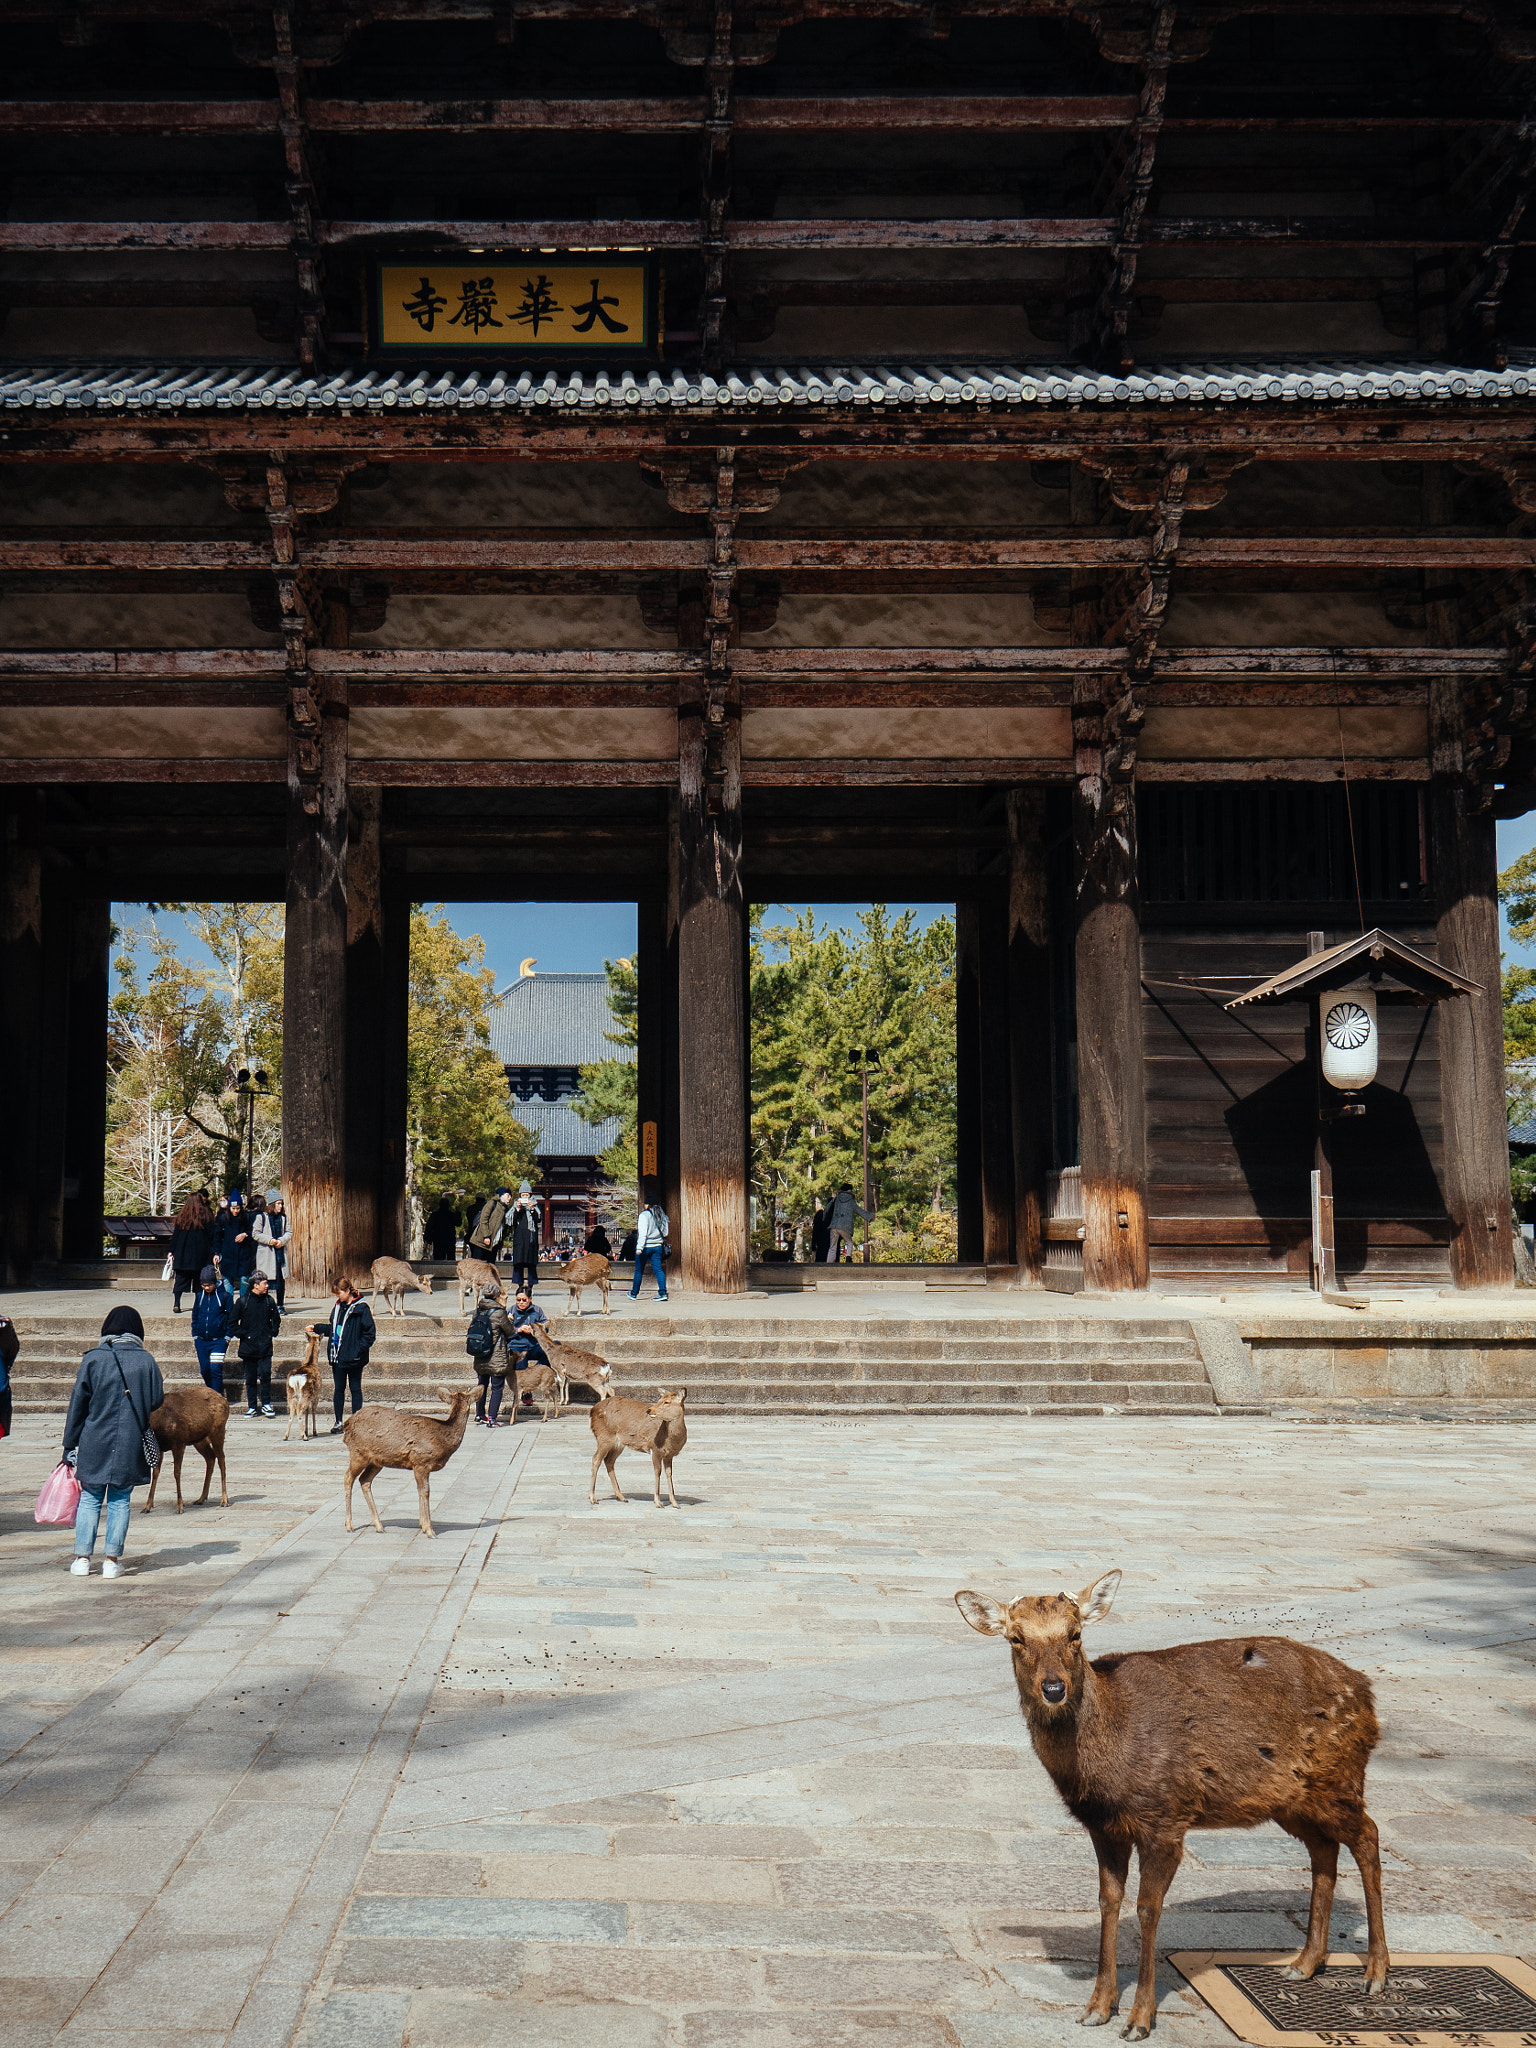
pixel 559 1133
pixel 555 1020
pixel 222 388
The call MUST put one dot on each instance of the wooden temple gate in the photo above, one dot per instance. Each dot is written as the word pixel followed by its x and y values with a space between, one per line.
pixel 235 664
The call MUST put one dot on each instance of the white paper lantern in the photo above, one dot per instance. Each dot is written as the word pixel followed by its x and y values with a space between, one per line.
pixel 1350 1038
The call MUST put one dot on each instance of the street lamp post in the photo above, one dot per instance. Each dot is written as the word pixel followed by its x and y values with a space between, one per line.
pixel 248 1086
pixel 864 1060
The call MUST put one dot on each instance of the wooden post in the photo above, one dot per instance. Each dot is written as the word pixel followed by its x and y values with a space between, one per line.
pixel 968 1199
pixel 995 1074
pixel 50 1078
pixel 314 1000
pixel 394 1030
pixel 650 1025
pixel 669 1139
pixel 712 1013
pixel 1110 1057
pixel 85 1154
pixel 1473 1117
pixel 21 992
pixel 364 1051
pixel 1029 1021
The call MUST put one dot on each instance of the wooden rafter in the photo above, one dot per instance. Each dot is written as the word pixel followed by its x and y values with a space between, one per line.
pixel 1132 195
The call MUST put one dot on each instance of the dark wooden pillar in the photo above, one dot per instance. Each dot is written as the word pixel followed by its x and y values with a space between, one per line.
pixel 996 1077
pixel 395 1035
pixel 712 1062
pixel 364 1052
pixel 650 1052
pixel 971 1229
pixel 1473 1116
pixel 1110 1057
pixel 85 1148
pixel 21 1001
pixel 314 999
pixel 1029 1026
pixel 670 1135
pixel 51 1079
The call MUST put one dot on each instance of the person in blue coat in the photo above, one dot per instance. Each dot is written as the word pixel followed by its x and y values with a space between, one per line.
pixel 234 1249
pixel 210 1328
pixel 117 1389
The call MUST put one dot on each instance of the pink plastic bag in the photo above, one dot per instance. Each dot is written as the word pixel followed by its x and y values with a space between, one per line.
pixel 60 1496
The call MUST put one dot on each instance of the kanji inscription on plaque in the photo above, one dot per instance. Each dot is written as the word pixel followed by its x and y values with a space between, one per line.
pixel 464 305
pixel 1440 2001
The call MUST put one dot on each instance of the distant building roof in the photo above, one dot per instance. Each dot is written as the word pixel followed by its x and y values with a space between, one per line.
pixel 555 1020
pixel 559 1133
pixel 1523 1134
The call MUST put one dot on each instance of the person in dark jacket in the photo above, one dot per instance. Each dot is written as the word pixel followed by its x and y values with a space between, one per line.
pixel 258 1319
pixel 210 1329
pixel 350 1335
pixel 492 1372
pixel 821 1236
pixel 117 1389
pixel 442 1229
pixel 234 1249
pixel 10 1348
pixel 191 1244
pixel 600 1243
pixel 526 1223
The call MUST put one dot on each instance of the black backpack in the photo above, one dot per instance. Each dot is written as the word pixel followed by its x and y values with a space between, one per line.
pixel 480 1338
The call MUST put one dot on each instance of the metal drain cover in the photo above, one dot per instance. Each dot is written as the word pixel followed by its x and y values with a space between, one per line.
pixel 1429 2001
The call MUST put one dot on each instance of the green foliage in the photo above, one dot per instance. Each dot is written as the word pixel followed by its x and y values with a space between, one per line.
pixel 817 998
pixel 1519 1014
pixel 461 1134
pixel 612 1087
pixel 1517 892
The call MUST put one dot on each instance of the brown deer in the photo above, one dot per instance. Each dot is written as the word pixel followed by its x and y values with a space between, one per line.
pixel 378 1437
pixel 195 1416
pixel 473 1275
pixel 1147 1744
pixel 579 1368
pixel 544 1384
pixel 304 1393
pixel 620 1425
pixel 391 1278
pixel 587 1269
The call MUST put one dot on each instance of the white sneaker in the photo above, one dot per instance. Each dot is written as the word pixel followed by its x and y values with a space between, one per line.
pixel 81 1568
pixel 268 1409
pixel 112 1568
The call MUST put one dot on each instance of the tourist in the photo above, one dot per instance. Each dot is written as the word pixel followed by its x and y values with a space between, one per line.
pixel 282 1239
pixel 598 1243
pixel 490 1226
pixel 117 1389
pixel 840 1223
pixel 527 1222
pixel 234 1249
pixel 210 1329
pixel 350 1335
pixel 650 1243
pixel 258 1320
pixel 270 1234
pixel 191 1242
pixel 10 1348
pixel 524 1343
pixel 492 1372
pixel 627 1248
pixel 442 1232
pixel 820 1235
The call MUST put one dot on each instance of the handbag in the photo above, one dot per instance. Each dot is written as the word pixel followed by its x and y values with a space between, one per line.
pixel 149 1443
pixel 168 1270
pixel 60 1497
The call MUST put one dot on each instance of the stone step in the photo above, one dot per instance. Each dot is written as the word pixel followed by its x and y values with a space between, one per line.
pixel 597 1330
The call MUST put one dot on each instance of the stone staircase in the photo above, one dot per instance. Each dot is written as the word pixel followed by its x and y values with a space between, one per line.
pixel 748 1364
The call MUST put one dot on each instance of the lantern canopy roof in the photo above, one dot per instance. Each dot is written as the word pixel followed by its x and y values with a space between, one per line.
pixel 1389 967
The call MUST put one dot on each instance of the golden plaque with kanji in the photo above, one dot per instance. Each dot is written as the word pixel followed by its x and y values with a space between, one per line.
pixel 523 305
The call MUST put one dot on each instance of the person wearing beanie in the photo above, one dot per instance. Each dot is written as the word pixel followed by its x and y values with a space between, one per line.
pixel 234 1249
pixel 210 1328
pixel 270 1234
pixel 117 1389
pixel 527 1222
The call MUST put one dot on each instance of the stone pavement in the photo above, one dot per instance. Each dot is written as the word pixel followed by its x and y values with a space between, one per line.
pixel 735 1773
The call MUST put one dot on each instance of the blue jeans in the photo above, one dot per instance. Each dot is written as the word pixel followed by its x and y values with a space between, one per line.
pixel 88 1514
pixel 213 1375
pixel 654 1257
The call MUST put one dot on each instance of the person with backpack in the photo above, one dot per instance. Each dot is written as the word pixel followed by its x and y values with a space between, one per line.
pixel 210 1328
pixel 486 1342
pixel 650 1244
pixel 258 1320
pixel 350 1335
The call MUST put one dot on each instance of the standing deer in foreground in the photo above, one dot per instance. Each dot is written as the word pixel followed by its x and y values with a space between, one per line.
pixel 1145 1745
pixel 474 1274
pixel 304 1393
pixel 195 1416
pixel 392 1277
pixel 632 1426
pixel 587 1269
pixel 377 1437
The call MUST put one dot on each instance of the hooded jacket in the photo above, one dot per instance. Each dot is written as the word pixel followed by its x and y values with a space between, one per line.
pixel 489 1226
pixel 210 1317
pixel 105 1425
pixel 258 1319
pixel 235 1260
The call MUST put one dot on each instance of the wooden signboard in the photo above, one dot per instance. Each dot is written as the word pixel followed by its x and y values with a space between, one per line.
pixel 514 305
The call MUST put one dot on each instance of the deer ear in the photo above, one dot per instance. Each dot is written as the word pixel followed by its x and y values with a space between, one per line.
pixel 987 1617
pixel 1095 1601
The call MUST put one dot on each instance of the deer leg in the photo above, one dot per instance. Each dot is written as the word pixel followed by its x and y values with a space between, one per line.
pixel 424 1499
pixel 202 1498
pixel 1114 1861
pixel 223 1477
pixel 656 1469
pixel 597 1459
pixel 154 1481
pixel 176 1457
pixel 1324 1852
pixel 365 1480
pixel 603 1284
pixel 611 1461
pixel 346 1494
pixel 671 1489
pixel 1159 1860
pixel 1366 1850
